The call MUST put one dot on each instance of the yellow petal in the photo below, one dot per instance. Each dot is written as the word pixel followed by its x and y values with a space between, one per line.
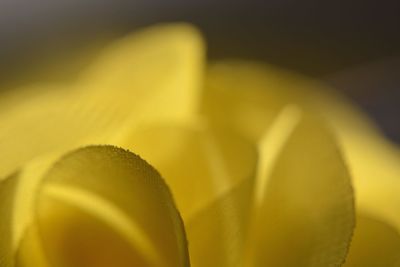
pixel 307 214
pixel 29 180
pixel 147 75
pixel 374 244
pixel 247 96
pixel 30 251
pixel 217 233
pixel 162 65
pixel 374 162
pixel 7 193
pixel 226 220
pixel 199 163
pixel 204 166
pixel 57 120
pixel 103 206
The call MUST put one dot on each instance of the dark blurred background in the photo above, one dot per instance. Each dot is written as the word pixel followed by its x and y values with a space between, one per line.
pixel 354 45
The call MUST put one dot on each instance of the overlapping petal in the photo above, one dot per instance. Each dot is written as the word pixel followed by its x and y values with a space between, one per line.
pixel 252 94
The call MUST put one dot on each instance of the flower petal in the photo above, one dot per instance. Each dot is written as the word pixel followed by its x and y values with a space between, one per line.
pixel 210 171
pixel 199 163
pixel 374 162
pixel 247 96
pixel 62 118
pixel 162 64
pixel 306 216
pixel 7 194
pixel 102 205
pixel 374 244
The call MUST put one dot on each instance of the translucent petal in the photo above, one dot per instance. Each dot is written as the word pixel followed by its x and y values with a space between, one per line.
pixel 374 244
pixel 162 64
pixel 247 96
pixel 59 119
pixel 307 215
pixel 199 163
pixel 7 193
pixel 217 233
pixel 62 118
pixel 227 220
pixel 104 206
pixel 30 251
pixel 210 172
pixel 373 161
pixel 29 180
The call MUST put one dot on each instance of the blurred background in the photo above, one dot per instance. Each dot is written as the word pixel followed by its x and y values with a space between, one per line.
pixel 353 45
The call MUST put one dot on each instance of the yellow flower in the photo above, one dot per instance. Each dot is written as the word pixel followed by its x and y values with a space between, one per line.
pixel 233 163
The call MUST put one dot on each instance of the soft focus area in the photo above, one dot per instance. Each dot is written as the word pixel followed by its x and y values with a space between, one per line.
pixel 355 45
pixel 199 133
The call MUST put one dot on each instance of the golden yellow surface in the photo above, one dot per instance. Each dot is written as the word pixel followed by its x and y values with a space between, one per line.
pixel 234 163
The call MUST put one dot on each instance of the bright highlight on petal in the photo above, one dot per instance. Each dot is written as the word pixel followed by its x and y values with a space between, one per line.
pixel 110 214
